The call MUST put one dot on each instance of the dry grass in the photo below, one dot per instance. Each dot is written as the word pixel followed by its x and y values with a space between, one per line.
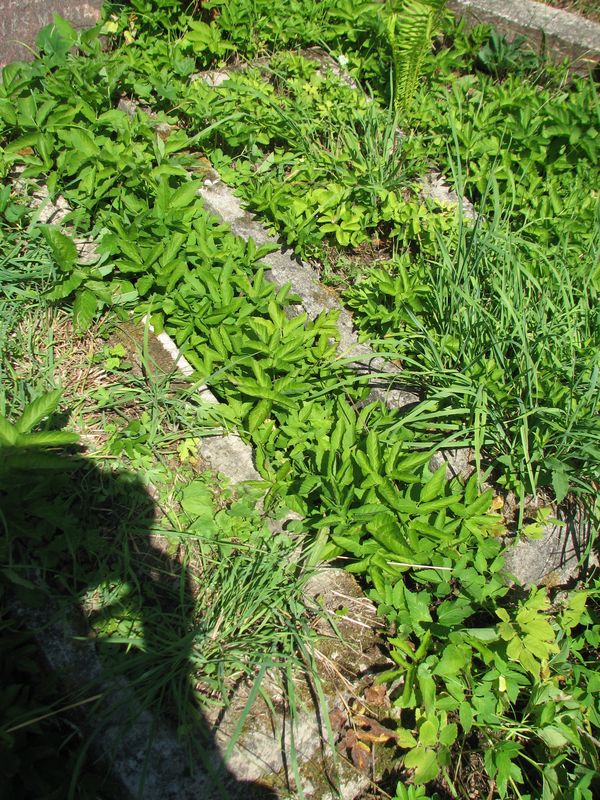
pixel 587 8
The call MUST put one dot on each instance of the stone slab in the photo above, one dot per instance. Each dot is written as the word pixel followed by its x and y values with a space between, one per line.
pixel 20 21
pixel 563 554
pixel 561 33
pixel 145 759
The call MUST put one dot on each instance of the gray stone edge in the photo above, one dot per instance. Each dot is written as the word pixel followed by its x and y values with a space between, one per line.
pixel 562 33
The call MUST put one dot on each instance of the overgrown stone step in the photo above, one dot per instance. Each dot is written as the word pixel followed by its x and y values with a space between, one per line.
pixel 144 755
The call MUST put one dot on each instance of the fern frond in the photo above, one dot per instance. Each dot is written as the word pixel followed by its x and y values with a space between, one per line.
pixel 409 33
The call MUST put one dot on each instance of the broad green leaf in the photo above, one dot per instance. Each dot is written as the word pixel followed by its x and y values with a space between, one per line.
pixel 478 506
pixel 259 414
pixel 440 503
pixel 453 660
pixel 411 462
pixel 571 616
pixel 38 410
pixel 388 534
pixel 185 195
pixel 197 499
pixel 434 486
pixel 560 484
pixel 404 505
pixel 553 737
pixel 62 247
pixel 82 142
pixel 465 712
pixel 483 634
pixel 62 290
pixel 427 686
pixel 448 734
pixel 8 432
pixel 428 732
pixel 373 450
pixel 84 310
pixel 452 612
pixel 405 738
pixel 424 762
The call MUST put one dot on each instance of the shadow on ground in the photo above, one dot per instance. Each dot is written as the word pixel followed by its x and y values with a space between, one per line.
pixel 75 533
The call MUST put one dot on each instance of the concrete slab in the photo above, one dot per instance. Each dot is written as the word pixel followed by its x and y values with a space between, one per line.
pixel 561 33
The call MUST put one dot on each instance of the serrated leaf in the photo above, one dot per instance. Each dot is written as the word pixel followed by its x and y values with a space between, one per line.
pixel 552 737
pixel 388 534
pixel 560 484
pixel 405 738
pixel 479 506
pixel 453 660
pixel 197 499
pixel 571 616
pixel 465 713
pixel 82 142
pixel 448 734
pixel 66 287
pixel 185 195
pixel 259 414
pixel 412 462
pixel 37 410
pixel 84 310
pixel 428 733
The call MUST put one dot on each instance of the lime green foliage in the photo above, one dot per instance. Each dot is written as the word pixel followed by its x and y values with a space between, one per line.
pixel 404 792
pixel 410 30
pixel 313 156
pixel 533 148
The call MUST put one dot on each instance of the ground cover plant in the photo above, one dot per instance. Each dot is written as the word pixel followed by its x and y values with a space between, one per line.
pixel 479 676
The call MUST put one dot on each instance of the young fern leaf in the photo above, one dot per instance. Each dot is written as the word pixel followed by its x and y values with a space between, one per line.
pixel 409 33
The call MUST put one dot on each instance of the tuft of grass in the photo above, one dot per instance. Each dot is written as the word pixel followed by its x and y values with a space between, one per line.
pixel 500 324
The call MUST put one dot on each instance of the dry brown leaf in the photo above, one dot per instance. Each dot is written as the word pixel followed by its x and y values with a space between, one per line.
pixel 338 719
pixel 350 738
pixel 374 738
pixel 375 731
pixel 377 696
pixel 361 756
